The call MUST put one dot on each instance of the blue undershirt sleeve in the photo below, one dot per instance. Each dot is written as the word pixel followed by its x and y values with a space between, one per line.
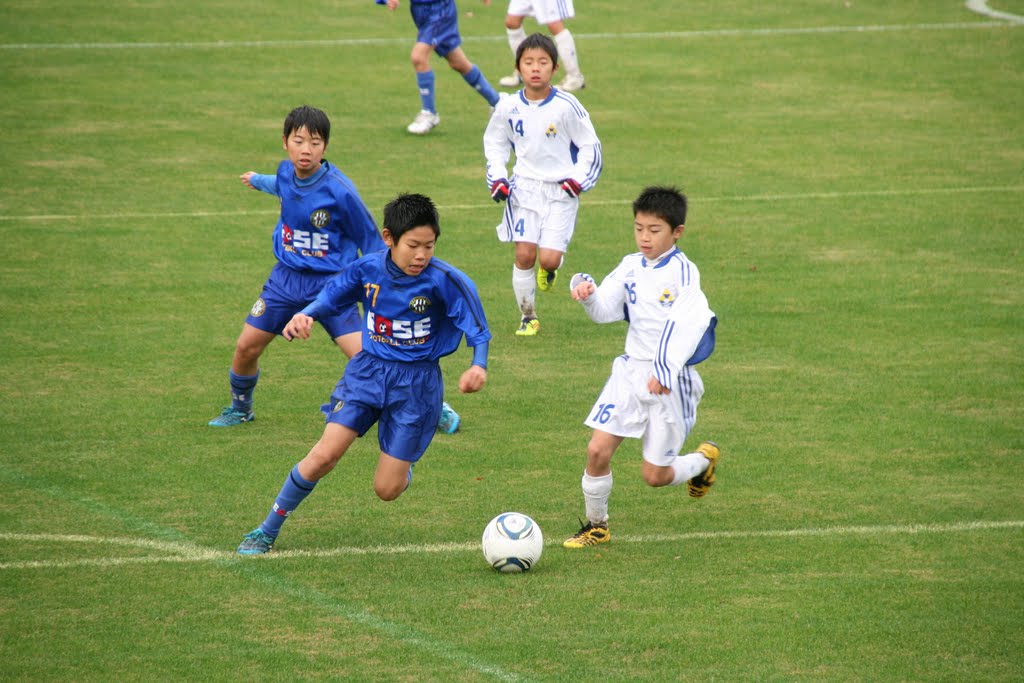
pixel 480 355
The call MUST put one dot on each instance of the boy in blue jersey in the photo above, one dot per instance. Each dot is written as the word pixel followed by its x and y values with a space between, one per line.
pixel 437 25
pixel 416 310
pixel 323 227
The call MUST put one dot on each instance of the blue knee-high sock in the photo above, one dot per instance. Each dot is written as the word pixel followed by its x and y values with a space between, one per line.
pixel 294 491
pixel 242 387
pixel 478 82
pixel 425 82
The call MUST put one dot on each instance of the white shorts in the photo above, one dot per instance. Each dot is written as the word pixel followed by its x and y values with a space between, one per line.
pixel 544 11
pixel 540 213
pixel 627 408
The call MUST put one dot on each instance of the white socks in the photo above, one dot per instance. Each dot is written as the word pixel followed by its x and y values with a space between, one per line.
pixel 515 36
pixel 596 491
pixel 524 285
pixel 688 466
pixel 567 53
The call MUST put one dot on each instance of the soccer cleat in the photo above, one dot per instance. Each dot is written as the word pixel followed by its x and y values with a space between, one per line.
pixel 699 485
pixel 424 122
pixel 513 81
pixel 528 327
pixel 572 83
pixel 588 535
pixel 449 421
pixel 256 542
pixel 230 417
pixel 546 279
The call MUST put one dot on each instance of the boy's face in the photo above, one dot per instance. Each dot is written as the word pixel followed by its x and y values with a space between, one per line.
pixel 413 251
pixel 536 68
pixel 654 236
pixel 305 150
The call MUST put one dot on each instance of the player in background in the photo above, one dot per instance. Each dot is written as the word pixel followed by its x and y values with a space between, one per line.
pixel 558 157
pixel 553 14
pixel 323 226
pixel 653 391
pixel 417 309
pixel 437 23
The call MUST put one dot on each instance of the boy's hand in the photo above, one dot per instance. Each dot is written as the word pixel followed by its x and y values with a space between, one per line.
pixel 299 326
pixel 581 286
pixel 246 179
pixel 499 190
pixel 656 387
pixel 472 380
pixel 572 188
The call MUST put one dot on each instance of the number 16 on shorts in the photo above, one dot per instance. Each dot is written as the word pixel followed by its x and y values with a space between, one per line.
pixel 602 413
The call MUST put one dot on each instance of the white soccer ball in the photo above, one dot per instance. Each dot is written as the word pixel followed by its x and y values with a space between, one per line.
pixel 512 542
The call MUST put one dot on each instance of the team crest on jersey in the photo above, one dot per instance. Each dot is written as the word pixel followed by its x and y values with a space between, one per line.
pixel 337 406
pixel 419 304
pixel 667 298
pixel 551 132
pixel 319 218
pixel 258 308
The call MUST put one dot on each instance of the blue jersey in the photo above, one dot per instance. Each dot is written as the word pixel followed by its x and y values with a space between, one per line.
pixel 324 224
pixel 407 318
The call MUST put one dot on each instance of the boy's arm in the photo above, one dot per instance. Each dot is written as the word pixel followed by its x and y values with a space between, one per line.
pixel 361 226
pixel 261 182
pixel 687 322
pixel 340 291
pixel 497 149
pixel 589 163
pixel 475 377
pixel 604 304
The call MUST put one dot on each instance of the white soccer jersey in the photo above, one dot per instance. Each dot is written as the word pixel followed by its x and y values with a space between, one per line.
pixel 552 140
pixel 668 313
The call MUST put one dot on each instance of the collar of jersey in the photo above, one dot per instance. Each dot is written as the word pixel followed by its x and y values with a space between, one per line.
pixel 659 261
pixel 551 96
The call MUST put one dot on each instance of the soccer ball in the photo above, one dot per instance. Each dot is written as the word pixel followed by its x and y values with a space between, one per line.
pixel 512 542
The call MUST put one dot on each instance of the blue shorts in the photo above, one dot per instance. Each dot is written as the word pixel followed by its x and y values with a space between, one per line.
pixel 288 291
pixel 438 25
pixel 404 399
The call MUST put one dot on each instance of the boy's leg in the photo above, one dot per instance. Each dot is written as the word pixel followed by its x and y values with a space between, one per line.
pixel 428 118
pixel 566 45
pixel 524 286
pixel 243 376
pixel 299 483
pixel 392 477
pixel 597 489
pixel 515 33
pixel 471 73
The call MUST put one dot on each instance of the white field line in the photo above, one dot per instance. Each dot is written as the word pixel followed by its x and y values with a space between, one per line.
pixel 188 552
pixel 981 7
pixel 1004 21
pixel 799 196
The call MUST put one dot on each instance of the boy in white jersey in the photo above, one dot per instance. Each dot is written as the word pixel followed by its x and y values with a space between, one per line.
pixel 551 13
pixel 653 391
pixel 558 157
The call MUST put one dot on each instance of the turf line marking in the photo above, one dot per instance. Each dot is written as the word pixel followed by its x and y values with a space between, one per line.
pixel 981 7
pixel 189 552
pixel 596 202
pixel 1006 20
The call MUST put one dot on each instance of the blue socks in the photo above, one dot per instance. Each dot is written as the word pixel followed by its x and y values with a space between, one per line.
pixel 294 491
pixel 425 82
pixel 476 80
pixel 241 390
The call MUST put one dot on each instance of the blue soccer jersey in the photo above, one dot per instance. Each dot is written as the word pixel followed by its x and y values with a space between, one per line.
pixel 407 318
pixel 324 224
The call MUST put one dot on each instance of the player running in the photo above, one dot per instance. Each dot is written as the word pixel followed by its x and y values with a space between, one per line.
pixel 416 309
pixel 558 157
pixel 653 391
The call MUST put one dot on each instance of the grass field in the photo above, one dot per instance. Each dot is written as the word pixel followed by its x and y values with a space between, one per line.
pixel 856 175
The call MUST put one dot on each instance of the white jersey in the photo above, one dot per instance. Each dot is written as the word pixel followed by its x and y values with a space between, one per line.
pixel 552 139
pixel 668 313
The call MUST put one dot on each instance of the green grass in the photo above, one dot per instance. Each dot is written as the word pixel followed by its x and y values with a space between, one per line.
pixel 856 213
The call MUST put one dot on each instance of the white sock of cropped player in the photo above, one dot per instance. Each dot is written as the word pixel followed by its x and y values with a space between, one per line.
pixel 596 491
pixel 515 36
pixel 567 53
pixel 688 466
pixel 524 285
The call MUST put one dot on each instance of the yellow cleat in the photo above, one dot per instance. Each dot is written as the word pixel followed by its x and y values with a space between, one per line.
pixel 699 485
pixel 546 279
pixel 528 327
pixel 588 535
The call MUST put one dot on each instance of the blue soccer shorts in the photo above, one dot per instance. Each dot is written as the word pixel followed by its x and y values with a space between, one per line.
pixel 437 24
pixel 288 291
pixel 404 399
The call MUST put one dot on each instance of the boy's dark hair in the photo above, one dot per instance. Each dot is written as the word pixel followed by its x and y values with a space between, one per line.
pixel 668 203
pixel 538 40
pixel 408 211
pixel 310 118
